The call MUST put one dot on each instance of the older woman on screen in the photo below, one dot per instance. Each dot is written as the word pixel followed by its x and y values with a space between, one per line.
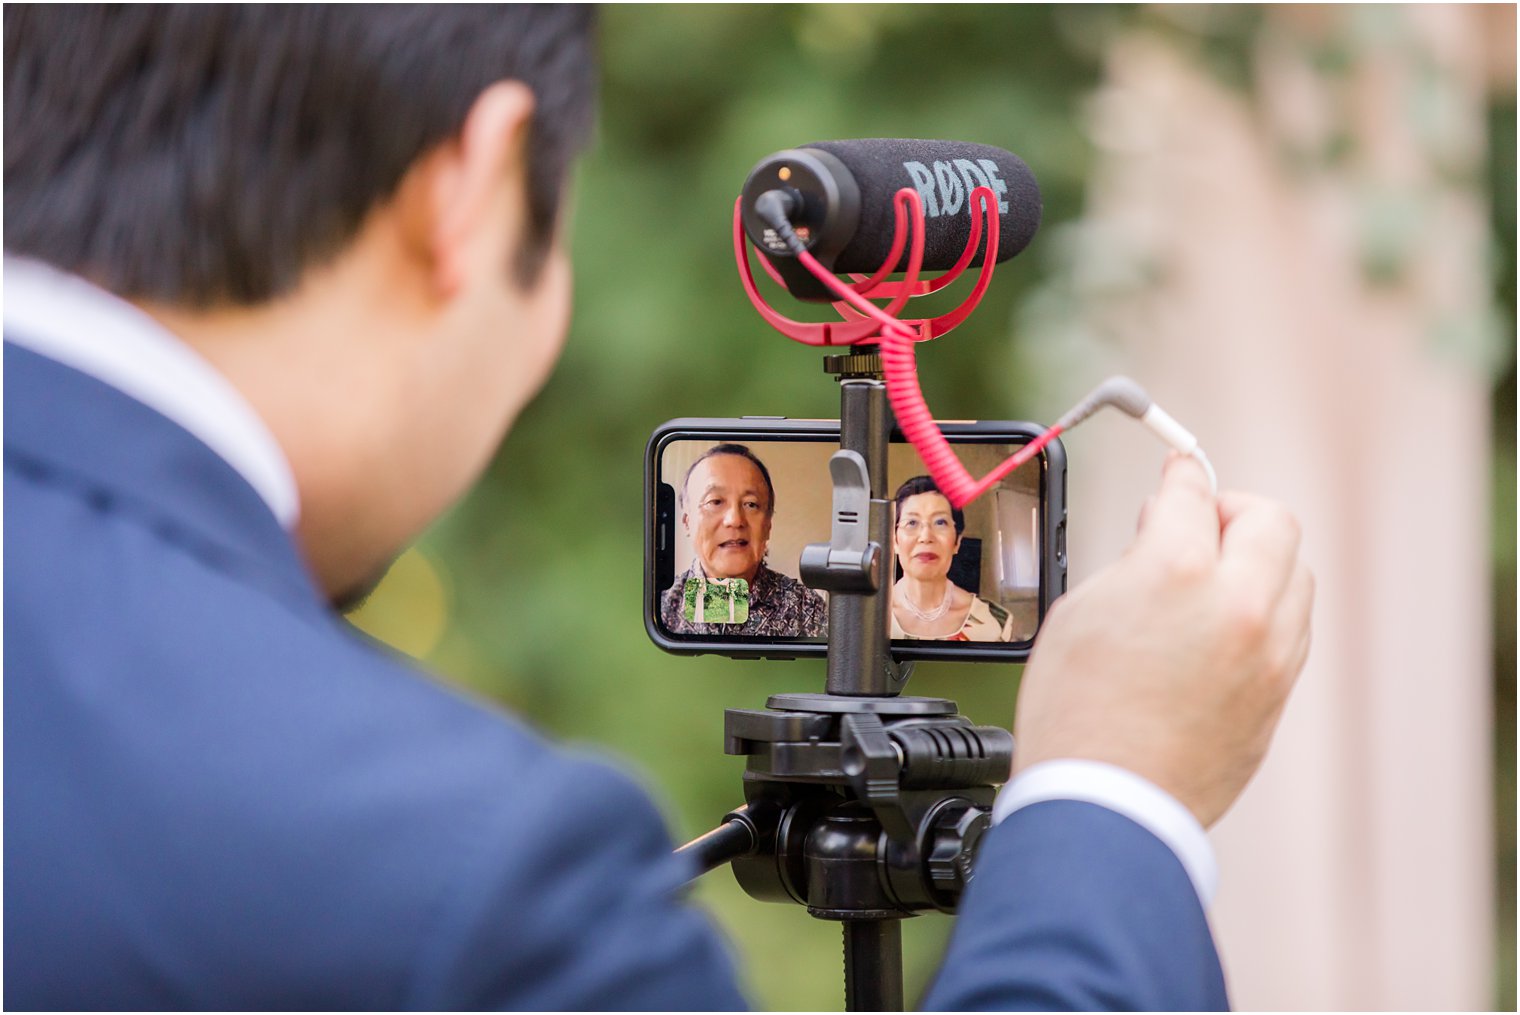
pixel 925 602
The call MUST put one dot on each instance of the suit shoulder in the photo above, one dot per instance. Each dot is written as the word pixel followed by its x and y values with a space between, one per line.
pixel 385 840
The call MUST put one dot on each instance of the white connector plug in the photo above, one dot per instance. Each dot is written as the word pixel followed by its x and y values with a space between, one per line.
pixel 1129 397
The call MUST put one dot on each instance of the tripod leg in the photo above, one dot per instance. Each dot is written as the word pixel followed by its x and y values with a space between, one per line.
pixel 729 840
pixel 873 977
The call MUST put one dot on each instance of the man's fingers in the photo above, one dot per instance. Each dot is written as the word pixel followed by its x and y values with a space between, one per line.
pixel 1291 624
pixel 1297 659
pixel 1233 502
pixel 1181 523
pixel 1299 602
pixel 1259 543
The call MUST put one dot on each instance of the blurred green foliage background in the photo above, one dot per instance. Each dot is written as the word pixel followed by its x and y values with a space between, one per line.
pixel 693 96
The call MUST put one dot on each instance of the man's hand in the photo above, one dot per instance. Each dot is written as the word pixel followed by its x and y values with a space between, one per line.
pixel 1175 662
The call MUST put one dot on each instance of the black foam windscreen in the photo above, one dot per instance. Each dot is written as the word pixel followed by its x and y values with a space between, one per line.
pixel 944 173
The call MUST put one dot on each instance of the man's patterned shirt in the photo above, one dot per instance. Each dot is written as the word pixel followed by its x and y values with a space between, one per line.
pixel 779 607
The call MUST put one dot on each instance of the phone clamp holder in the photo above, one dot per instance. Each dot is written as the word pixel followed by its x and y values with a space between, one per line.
pixel 850 561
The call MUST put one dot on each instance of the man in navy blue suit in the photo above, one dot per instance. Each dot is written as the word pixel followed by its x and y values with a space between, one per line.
pixel 277 282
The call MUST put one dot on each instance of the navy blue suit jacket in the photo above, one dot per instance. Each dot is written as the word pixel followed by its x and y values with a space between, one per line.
pixel 218 796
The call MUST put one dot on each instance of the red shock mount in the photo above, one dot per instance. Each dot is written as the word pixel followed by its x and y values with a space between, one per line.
pixel 864 322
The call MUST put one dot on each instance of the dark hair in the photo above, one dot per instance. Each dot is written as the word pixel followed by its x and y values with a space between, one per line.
pixel 923 484
pixel 742 452
pixel 213 154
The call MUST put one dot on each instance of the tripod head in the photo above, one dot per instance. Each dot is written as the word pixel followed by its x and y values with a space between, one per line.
pixel 908 788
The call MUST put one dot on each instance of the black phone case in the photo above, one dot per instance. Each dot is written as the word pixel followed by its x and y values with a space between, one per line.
pixel 660 521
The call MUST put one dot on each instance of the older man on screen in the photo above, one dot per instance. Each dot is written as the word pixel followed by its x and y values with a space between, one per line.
pixel 727 503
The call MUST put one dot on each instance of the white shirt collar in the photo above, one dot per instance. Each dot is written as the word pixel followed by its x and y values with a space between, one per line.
pixel 65 318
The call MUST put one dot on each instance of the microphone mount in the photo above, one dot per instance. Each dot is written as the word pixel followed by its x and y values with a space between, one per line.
pixel 856 327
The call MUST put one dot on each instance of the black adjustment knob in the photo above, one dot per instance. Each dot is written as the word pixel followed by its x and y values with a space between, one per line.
pixel 954 835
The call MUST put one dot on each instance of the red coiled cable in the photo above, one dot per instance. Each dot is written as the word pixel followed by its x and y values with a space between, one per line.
pixel 900 366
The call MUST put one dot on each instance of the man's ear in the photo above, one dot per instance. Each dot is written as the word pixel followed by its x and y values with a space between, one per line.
pixel 468 179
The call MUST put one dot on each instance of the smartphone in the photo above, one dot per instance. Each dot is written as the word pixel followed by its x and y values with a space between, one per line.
pixel 730 504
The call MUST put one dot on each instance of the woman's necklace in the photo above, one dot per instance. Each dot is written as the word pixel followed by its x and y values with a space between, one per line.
pixel 928 616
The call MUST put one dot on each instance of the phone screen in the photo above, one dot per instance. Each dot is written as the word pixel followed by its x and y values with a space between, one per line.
pixel 734 511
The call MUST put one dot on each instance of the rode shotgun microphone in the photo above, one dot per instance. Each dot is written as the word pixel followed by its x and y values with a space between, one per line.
pixel 842 196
